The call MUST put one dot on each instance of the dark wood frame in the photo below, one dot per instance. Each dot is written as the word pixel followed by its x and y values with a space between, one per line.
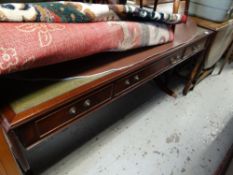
pixel 16 130
pixel 8 165
pixel 20 128
pixel 196 74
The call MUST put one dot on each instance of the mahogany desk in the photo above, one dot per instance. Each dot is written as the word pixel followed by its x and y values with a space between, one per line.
pixel 35 110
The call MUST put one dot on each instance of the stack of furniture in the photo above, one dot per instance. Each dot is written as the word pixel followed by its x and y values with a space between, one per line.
pixel 216 16
pixel 221 40
pixel 41 108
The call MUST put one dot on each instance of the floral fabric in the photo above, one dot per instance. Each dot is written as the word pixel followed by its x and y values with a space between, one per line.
pixel 77 12
pixel 86 1
pixel 29 45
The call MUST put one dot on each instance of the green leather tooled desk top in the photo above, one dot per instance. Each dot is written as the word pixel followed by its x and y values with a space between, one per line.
pixel 48 90
pixel 25 90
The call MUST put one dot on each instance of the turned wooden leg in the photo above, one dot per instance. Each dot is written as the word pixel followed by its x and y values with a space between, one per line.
pixel 205 73
pixel 8 164
pixel 195 72
pixel 190 84
pixel 163 86
pixel 223 65
pixel 231 58
pixel 227 58
pixel 19 152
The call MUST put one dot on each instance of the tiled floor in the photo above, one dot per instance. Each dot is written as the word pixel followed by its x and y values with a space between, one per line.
pixel 147 133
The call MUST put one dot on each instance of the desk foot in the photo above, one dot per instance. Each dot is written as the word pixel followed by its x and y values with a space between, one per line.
pixel 223 65
pixel 19 153
pixel 227 58
pixel 195 72
pixel 8 164
pixel 163 86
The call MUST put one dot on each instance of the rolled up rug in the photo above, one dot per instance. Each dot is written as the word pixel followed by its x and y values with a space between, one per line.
pixel 86 1
pixel 29 45
pixel 77 12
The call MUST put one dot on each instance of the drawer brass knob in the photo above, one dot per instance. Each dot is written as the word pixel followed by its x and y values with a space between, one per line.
pixel 127 82
pixel 136 77
pixel 178 57
pixel 173 61
pixel 196 48
pixel 73 110
pixel 87 103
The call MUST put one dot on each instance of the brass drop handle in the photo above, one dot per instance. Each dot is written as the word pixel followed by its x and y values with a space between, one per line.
pixel 136 77
pixel 196 48
pixel 127 82
pixel 73 110
pixel 178 57
pixel 87 103
pixel 173 60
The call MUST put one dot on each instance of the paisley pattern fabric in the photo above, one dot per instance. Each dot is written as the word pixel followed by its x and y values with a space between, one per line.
pixel 29 45
pixel 76 12
pixel 86 1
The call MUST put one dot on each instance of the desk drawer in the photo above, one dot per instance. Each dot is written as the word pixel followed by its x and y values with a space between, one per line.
pixel 149 72
pixel 59 118
pixel 34 131
pixel 128 82
pixel 194 48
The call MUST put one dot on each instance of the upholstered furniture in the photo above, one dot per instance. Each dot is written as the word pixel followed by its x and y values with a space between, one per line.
pixel 221 40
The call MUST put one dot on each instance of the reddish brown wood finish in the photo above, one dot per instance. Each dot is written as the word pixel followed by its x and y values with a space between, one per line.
pixel 191 82
pixel 176 5
pixel 186 11
pixel 138 58
pixel 195 48
pixel 58 119
pixel 34 125
pixel 32 132
pixel 8 165
pixel 212 25
pixel 18 151
pixel 155 4
pixel 156 55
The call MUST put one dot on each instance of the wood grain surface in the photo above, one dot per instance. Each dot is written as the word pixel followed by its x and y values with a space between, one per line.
pixel 8 165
